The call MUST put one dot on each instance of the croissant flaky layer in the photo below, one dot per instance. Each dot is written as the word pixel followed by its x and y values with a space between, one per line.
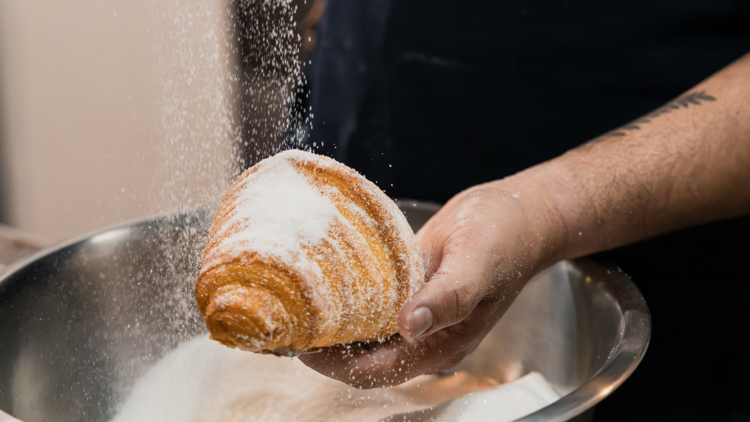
pixel 304 253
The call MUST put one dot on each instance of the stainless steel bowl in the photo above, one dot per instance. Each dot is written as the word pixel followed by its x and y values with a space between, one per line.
pixel 81 322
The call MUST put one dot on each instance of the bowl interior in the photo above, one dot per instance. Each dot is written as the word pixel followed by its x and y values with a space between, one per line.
pixel 80 323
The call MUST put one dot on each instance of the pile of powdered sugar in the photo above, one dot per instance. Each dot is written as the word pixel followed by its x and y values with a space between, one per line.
pixel 504 403
pixel 203 381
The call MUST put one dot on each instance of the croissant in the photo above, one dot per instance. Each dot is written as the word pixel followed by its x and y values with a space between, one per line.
pixel 305 253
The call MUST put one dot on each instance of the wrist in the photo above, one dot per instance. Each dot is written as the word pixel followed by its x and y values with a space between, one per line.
pixel 543 224
pixel 585 229
pixel 600 204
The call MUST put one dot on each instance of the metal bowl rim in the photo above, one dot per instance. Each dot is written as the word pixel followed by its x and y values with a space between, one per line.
pixel 86 237
pixel 591 392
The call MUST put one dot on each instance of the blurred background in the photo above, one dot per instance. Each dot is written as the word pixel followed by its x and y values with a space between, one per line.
pixel 115 110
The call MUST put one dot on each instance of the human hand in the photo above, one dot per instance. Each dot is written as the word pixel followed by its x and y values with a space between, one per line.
pixel 689 166
pixel 479 251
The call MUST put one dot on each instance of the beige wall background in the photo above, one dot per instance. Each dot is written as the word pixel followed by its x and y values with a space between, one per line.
pixel 111 110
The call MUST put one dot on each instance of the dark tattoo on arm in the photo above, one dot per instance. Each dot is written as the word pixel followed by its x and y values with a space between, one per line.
pixel 692 99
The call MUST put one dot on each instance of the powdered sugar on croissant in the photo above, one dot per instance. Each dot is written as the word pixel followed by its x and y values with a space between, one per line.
pixel 304 253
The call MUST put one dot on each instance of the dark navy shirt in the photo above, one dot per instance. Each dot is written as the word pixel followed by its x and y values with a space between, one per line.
pixel 454 93
pixel 429 97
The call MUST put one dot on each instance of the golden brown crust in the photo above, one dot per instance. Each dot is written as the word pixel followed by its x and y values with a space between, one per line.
pixel 349 285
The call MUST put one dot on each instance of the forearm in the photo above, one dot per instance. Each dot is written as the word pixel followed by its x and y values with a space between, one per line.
pixel 686 163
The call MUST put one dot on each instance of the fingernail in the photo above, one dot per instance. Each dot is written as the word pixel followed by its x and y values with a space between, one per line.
pixel 421 321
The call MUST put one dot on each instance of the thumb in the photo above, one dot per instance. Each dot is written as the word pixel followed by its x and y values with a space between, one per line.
pixel 447 298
